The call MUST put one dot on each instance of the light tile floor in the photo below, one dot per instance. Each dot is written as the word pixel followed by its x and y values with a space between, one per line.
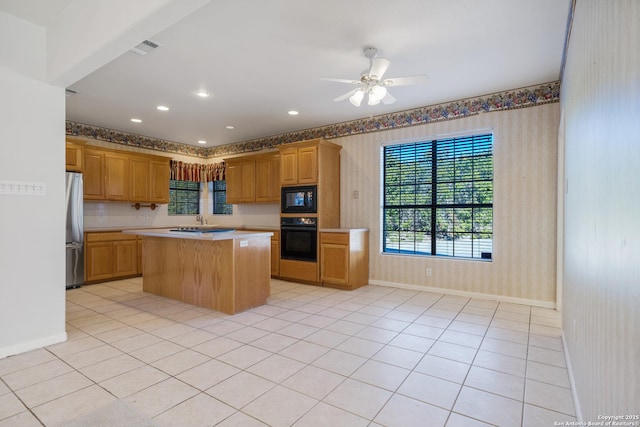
pixel 312 356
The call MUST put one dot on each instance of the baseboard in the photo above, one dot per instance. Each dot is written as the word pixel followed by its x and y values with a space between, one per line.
pixel 32 345
pixel 574 394
pixel 480 295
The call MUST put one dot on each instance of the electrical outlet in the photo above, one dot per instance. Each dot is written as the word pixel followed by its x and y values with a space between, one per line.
pixel 356 194
pixel 428 272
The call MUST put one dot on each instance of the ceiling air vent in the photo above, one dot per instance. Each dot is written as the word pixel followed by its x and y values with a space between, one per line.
pixel 69 92
pixel 145 47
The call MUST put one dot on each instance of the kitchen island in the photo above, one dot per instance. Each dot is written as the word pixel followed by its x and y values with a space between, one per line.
pixel 227 271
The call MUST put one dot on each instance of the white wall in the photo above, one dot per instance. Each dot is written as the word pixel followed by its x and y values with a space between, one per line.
pixel 26 57
pixel 601 102
pixel 32 305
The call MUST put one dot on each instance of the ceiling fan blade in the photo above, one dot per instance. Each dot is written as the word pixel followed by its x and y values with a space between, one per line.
pixel 406 81
pixel 351 82
pixel 346 95
pixel 388 99
pixel 378 67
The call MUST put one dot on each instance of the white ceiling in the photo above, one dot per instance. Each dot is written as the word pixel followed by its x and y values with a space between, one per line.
pixel 260 59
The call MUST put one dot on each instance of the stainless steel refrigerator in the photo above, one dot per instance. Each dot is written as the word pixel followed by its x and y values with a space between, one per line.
pixel 75 230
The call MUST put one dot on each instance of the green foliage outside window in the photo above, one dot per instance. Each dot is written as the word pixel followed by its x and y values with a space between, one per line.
pixel 218 193
pixel 184 197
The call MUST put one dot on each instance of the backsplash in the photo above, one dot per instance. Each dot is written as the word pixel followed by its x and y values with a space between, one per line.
pixel 122 214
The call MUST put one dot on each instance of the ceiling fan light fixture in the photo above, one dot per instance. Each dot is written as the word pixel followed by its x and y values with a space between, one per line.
pixel 376 94
pixel 357 97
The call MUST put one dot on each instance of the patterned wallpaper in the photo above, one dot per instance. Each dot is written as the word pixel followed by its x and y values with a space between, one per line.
pixel 517 98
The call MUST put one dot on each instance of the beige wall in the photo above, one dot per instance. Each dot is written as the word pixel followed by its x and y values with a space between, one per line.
pixel 525 160
pixel 601 103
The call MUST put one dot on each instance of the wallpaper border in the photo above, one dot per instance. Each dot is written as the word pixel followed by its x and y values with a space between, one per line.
pixel 517 98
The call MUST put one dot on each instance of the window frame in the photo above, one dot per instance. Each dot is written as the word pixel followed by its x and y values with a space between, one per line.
pixel 426 216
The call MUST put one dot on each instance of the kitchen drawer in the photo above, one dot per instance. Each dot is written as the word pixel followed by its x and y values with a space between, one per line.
pixel 337 238
pixel 91 237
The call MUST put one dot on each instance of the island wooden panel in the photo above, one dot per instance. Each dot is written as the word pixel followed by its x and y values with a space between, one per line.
pixel 225 275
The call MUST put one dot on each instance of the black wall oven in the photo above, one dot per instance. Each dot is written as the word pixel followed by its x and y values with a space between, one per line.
pixel 299 199
pixel 299 238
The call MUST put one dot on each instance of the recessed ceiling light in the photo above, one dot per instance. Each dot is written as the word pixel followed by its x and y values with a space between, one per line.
pixel 162 108
pixel 136 120
pixel 203 94
pixel 202 141
pixel 293 113
pixel 230 127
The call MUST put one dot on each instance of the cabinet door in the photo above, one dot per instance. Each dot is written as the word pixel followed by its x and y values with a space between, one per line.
pixel 267 179
pixel 93 175
pixel 99 261
pixel 234 183
pixel 140 179
pixel 334 258
pixel 248 181
pixel 159 181
pixel 289 166
pixel 116 176
pixel 125 258
pixel 308 165
pixel 74 156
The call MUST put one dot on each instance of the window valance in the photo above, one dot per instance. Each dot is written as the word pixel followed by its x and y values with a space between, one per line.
pixel 196 172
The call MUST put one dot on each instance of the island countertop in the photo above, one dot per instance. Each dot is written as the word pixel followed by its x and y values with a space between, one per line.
pixel 218 235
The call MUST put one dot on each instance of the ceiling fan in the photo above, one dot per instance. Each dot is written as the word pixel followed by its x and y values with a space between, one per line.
pixel 372 84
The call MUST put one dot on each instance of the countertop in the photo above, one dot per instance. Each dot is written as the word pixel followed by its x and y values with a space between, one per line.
pixel 224 235
pixel 161 227
pixel 341 230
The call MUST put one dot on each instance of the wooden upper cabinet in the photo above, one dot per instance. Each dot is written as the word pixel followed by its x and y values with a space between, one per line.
pixel 93 174
pixel 253 179
pixel 74 155
pixel 268 179
pixel 289 166
pixel 122 176
pixel 159 181
pixel 308 165
pixel 233 175
pixel 240 177
pixel 248 181
pixel 140 178
pixel 299 165
pixel 117 175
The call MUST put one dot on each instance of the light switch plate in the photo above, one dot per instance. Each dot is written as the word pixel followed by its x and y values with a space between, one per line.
pixel 23 188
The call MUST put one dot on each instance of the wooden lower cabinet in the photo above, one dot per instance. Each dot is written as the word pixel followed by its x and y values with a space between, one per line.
pixel 344 258
pixel 110 255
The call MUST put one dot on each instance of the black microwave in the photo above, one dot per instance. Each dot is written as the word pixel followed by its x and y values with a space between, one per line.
pixel 299 199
